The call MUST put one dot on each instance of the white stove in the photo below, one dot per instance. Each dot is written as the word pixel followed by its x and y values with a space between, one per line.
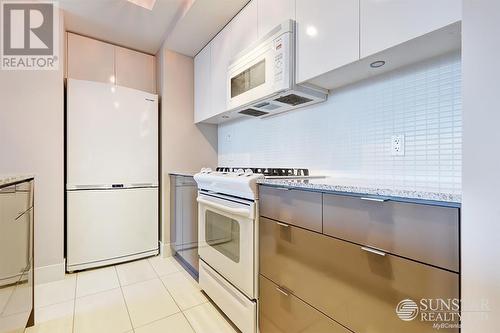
pixel 241 183
pixel 228 238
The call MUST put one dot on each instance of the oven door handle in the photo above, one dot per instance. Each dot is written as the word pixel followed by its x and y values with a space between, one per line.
pixel 237 211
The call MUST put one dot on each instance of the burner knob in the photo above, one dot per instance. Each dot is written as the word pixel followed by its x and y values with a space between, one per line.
pixel 248 172
pixel 240 172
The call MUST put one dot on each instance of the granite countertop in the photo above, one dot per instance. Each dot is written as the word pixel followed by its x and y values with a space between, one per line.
pixel 363 187
pixel 183 173
pixel 6 180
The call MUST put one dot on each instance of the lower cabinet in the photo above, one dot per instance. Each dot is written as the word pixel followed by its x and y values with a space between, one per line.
pixel 282 312
pixel 357 287
pixel 16 257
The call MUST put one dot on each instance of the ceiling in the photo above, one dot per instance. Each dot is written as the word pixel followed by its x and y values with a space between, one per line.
pixel 186 24
pixel 203 20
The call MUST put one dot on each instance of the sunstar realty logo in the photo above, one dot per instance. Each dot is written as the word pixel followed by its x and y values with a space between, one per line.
pixel 439 313
pixel 30 35
pixel 407 310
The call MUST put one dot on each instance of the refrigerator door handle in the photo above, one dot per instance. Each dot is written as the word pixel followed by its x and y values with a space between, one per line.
pixel 109 186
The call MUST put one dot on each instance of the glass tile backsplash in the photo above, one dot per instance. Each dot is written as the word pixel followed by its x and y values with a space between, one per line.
pixel 349 136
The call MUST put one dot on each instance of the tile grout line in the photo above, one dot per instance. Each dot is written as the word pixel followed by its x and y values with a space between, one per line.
pixel 180 309
pixel 124 300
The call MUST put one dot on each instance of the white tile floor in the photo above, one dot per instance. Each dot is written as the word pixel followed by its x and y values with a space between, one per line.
pixel 144 296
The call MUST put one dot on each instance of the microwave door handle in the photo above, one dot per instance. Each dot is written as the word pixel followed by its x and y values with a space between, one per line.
pixel 236 211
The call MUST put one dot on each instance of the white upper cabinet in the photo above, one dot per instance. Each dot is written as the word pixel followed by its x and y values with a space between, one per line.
pixel 272 13
pixel 93 60
pixel 220 57
pixel 135 70
pixel 90 59
pixel 202 100
pixel 390 22
pixel 243 28
pixel 327 36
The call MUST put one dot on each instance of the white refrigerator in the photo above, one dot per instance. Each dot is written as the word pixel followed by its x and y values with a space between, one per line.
pixel 111 174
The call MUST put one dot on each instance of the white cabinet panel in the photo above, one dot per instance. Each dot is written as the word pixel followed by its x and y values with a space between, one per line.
pixel 135 70
pixel 244 28
pixel 272 13
pixel 202 91
pixel 327 35
pixel 390 22
pixel 220 58
pixel 90 59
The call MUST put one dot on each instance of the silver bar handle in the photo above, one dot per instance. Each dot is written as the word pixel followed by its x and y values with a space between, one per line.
pixel 282 224
pixel 283 291
pixel 374 251
pixel 283 188
pixel 22 213
pixel 374 199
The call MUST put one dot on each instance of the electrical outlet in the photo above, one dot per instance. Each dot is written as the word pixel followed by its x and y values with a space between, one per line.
pixel 228 137
pixel 398 145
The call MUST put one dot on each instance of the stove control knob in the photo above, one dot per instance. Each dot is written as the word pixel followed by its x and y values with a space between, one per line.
pixel 248 171
pixel 240 172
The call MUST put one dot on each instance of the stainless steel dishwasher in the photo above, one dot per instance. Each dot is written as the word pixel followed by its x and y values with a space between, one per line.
pixel 184 221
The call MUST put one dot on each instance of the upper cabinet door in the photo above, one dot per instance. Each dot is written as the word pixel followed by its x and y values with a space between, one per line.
pixel 90 59
pixel 327 36
pixel 390 22
pixel 220 58
pixel 202 91
pixel 273 13
pixel 243 28
pixel 135 70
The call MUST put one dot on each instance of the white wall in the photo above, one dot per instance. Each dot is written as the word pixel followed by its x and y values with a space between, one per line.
pixel 31 142
pixel 185 146
pixel 481 166
pixel 350 134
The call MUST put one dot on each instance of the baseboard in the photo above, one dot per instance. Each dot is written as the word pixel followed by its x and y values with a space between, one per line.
pixel 165 250
pixel 50 273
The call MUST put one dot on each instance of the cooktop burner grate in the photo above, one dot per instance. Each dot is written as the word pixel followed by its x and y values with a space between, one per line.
pixel 276 172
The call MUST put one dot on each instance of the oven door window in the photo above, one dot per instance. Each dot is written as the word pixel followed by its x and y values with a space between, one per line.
pixel 249 79
pixel 223 234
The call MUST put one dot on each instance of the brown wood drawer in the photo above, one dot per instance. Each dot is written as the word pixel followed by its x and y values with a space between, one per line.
pixel 356 288
pixel 280 313
pixel 300 208
pixel 421 232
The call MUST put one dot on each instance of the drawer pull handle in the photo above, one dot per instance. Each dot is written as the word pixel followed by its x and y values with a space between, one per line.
pixel 374 199
pixel 283 188
pixel 20 214
pixel 369 249
pixel 282 224
pixel 283 291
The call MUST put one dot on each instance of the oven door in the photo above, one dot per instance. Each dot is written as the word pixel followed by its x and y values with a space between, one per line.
pixel 226 239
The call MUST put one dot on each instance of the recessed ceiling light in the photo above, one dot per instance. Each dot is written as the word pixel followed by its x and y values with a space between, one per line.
pixel 377 64
pixel 148 4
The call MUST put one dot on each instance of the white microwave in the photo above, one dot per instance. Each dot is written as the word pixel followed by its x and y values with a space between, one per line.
pixel 261 81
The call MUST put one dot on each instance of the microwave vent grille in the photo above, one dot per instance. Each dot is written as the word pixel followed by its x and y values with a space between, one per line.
pixel 293 99
pixel 253 113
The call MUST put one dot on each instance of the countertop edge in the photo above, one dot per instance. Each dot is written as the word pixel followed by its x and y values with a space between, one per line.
pixel 425 198
pixel 183 173
pixel 6 181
